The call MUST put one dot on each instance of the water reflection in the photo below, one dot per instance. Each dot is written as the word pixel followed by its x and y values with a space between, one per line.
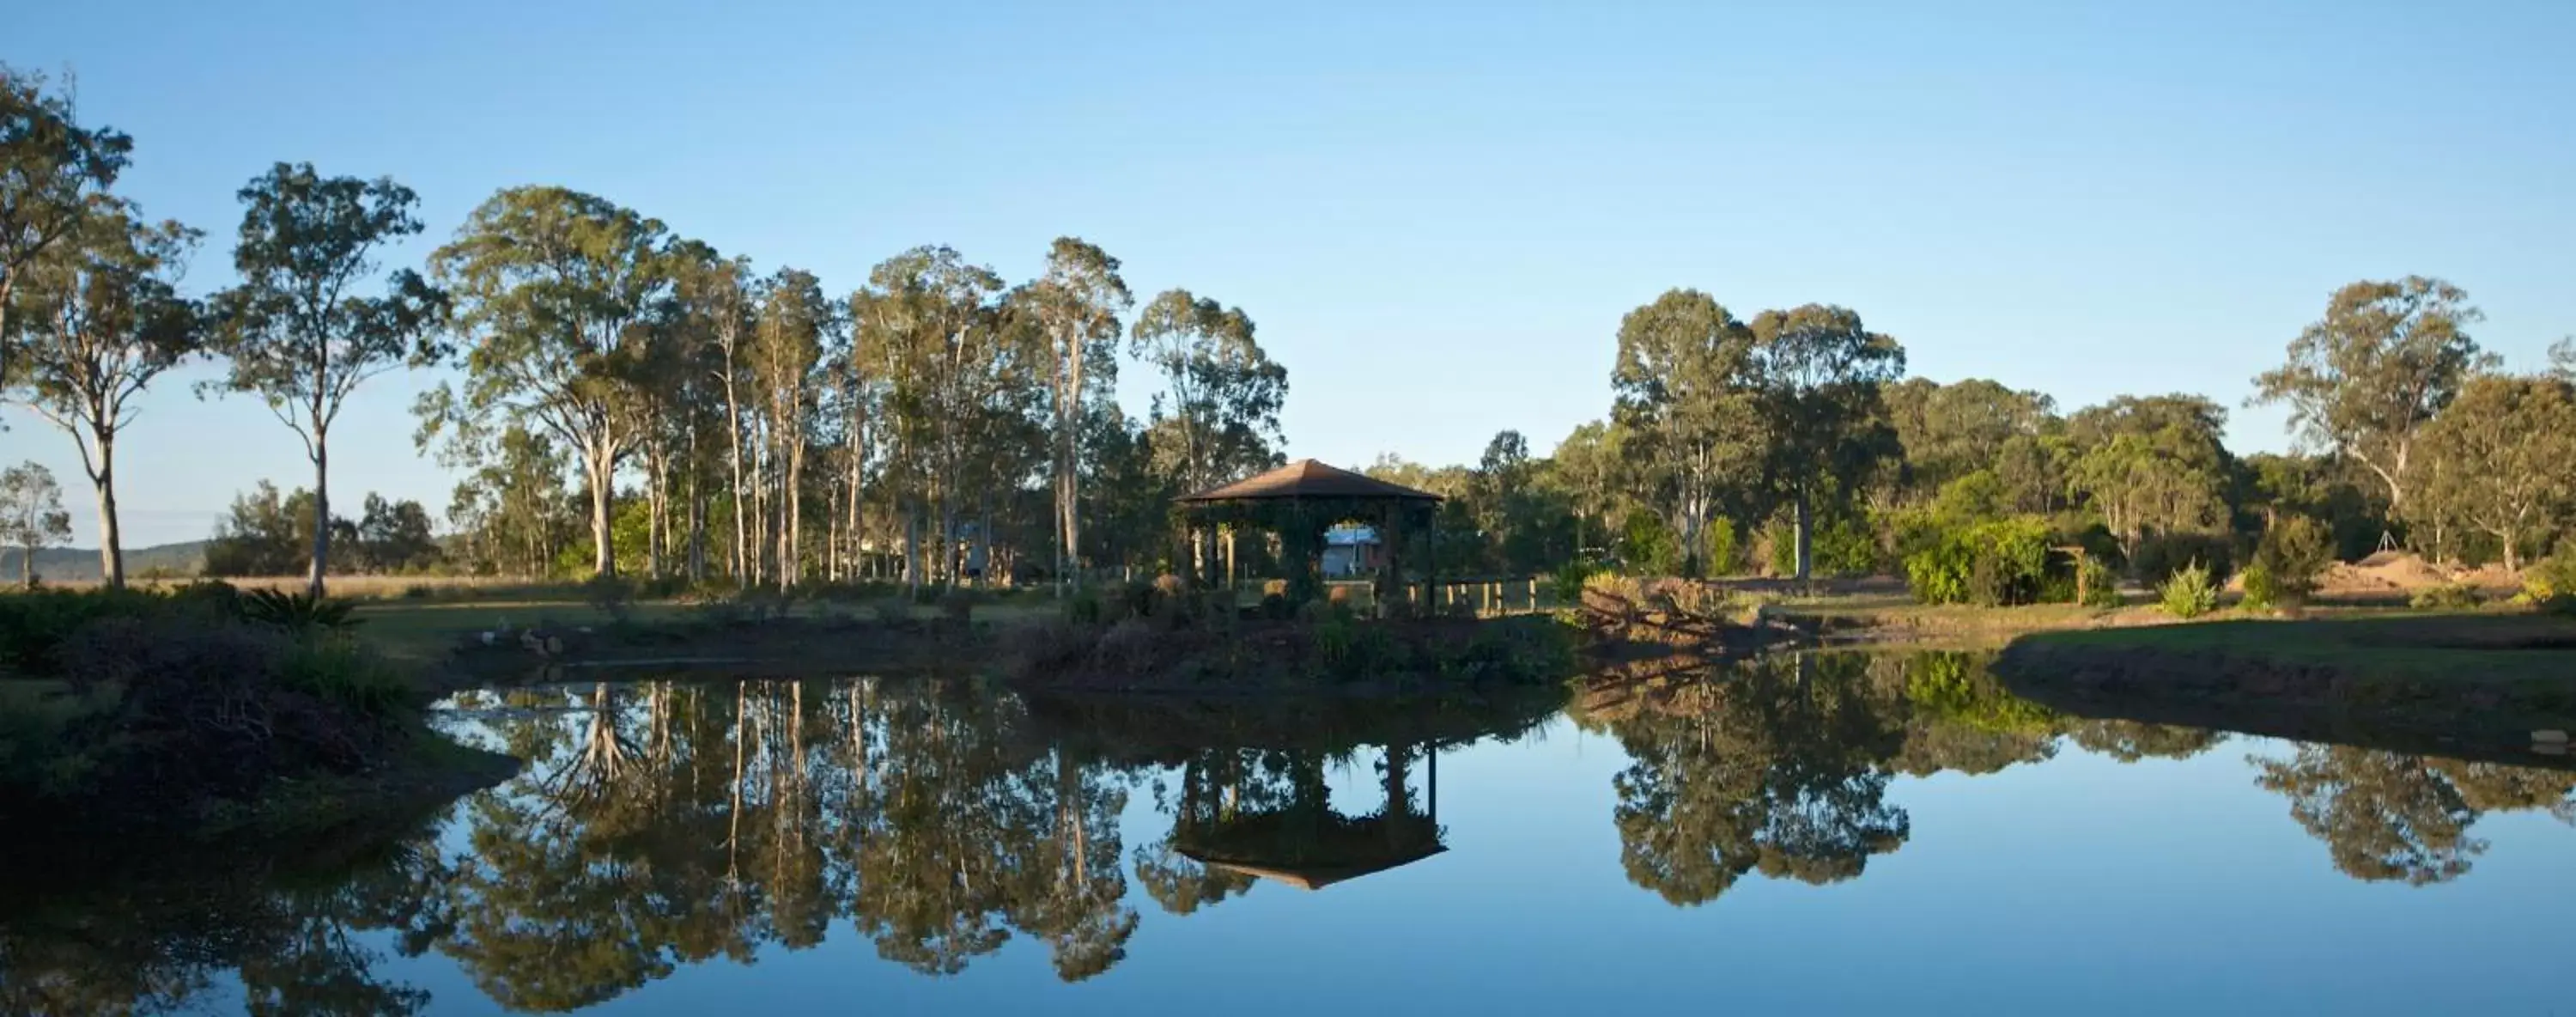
pixel 663 825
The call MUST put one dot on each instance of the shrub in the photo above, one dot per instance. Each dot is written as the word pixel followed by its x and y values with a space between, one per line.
pixel 1048 646
pixel 1989 564
pixel 2164 554
pixel 419 591
pixel 352 677
pixel 2190 592
pixel 1838 544
pixel 1083 610
pixel 1130 643
pixel 1567 583
pixel 892 612
pixel 2294 551
pixel 1276 607
pixel 2445 597
pixel 2551 582
pixel 2101 585
pixel 2262 592
pixel 297 612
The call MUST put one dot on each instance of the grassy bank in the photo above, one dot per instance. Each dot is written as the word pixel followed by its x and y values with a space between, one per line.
pixel 204 710
pixel 2473 685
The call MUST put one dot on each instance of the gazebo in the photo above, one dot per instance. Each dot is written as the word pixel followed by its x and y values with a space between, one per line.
pixel 1305 843
pixel 1299 502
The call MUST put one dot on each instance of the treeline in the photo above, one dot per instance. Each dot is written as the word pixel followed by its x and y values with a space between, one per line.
pixel 630 398
pixel 1785 444
pixel 271 534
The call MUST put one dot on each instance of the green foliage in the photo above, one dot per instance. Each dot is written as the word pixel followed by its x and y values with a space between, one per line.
pixel 2551 582
pixel 1649 547
pixel 351 676
pixel 2101 584
pixel 297 611
pixel 1841 543
pixel 1988 564
pixel 2163 554
pixel 2445 597
pixel 1566 585
pixel 2262 592
pixel 2293 553
pixel 2190 592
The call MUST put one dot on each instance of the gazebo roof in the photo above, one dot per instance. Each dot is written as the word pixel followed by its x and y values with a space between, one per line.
pixel 1317 877
pixel 1307 478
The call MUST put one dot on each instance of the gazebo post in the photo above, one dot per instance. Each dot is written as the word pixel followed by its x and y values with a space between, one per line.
pixel 1390 577
pixel 1431 569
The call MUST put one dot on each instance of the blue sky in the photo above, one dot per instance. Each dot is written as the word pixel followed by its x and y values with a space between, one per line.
pixel 1436 213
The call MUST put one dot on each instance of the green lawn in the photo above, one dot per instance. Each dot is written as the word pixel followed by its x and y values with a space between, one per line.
pixel 426 630
pixel 2489 646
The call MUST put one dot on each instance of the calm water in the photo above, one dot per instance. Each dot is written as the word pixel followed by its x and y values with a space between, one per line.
pixel 1829 834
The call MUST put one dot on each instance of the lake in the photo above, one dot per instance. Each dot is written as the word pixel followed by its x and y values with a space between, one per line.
pixel 1820 833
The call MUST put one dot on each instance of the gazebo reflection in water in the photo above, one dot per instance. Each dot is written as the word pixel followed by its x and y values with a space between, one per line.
pixel 1305 842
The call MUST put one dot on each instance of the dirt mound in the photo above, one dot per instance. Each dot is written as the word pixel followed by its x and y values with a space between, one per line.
pixel 2384 572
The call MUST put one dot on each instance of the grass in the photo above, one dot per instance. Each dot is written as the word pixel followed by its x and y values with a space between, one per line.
pixel 2484 646
pixel 425 630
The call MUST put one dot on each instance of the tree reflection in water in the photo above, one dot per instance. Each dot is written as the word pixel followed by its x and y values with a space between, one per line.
pixel 2386 816
pixel 660 825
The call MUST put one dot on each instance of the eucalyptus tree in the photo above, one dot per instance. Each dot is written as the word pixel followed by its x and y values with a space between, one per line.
pixel 2383 362
pixel 1224 393
pixel 54 174
pixel 554 291
pixel 796 322
pixel 2503 460
pixel 717 300
pixel 945 355
pixel 31 515
pixel 1588 465
pixel 2151 464
pixel 1077 303
pixel 1683 384
pixel 1821 373
pixel 106 319
pixel 1949 431
pixel 295 332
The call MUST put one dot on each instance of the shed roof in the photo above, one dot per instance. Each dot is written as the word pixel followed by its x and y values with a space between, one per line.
pixel 1307 478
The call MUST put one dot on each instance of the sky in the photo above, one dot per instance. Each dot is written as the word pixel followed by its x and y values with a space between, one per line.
pixel 1436 213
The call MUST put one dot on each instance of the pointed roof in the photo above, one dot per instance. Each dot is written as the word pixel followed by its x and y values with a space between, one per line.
pixel 1307 478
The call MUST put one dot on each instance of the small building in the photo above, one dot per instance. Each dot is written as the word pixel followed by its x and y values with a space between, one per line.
pixel 1352 550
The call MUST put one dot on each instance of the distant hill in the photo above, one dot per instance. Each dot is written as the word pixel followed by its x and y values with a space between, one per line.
pixel 76 564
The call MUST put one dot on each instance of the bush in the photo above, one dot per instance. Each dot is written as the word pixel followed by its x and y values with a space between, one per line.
pixel 2100 584
pixel 2164 554
pixel 1276 607
pixel 352 677
pixel 2190 592
pixel 2262 593
pixel 2550 583
pixel 297 612
pixel 2293 553
pixel 1989 564
pixel 1567 583
pixel 1083 610
pixel 2445 597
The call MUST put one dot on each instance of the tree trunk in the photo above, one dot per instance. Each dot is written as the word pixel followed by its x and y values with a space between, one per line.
pixel 321 515
pixel 1806 537
pixel 791 541
pixel 602 503
pixel 733 430
pixel 111 545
